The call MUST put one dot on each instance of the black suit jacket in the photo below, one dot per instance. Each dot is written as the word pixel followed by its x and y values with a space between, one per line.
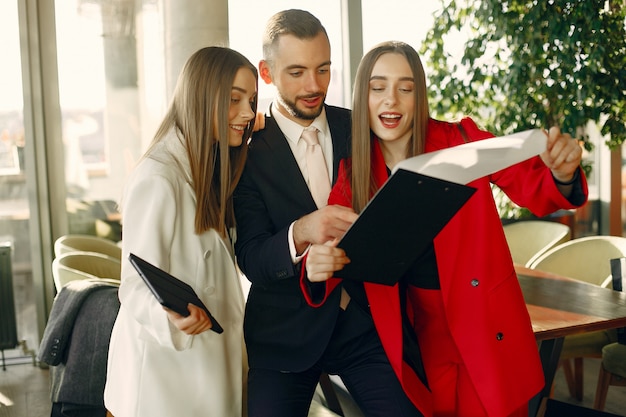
pixel 281 330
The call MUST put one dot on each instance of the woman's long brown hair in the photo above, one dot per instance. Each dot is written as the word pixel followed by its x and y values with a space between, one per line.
pixel 199 108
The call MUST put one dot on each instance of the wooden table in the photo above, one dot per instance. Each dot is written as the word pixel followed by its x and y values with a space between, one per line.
pixel 559 307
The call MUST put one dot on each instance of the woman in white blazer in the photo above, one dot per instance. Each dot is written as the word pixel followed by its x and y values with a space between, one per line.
pixel 177 214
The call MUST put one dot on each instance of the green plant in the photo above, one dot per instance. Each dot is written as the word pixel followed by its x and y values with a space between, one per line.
pixel 531 63
pixel 507 209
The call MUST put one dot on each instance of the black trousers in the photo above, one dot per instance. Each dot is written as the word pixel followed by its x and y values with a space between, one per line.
pixel 76 410
pixel 355 353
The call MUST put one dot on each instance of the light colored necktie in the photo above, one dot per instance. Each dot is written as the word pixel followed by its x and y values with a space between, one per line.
pixel 319 181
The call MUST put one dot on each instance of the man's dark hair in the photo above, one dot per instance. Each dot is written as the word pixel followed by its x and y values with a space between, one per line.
pixel 299 23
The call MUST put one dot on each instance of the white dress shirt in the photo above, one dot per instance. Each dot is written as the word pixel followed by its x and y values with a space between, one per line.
pixel 292 132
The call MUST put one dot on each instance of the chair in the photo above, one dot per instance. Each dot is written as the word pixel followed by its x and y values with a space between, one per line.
pixel 72 266
pixel 585 259
pixel 613 367
pixel 86 243
pixel 528 239
pixel 612 372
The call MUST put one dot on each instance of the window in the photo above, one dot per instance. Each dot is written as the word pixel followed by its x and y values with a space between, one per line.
pixel 246 29
pixel 14 206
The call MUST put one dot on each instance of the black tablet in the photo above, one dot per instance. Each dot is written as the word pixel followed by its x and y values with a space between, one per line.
pixel 169 290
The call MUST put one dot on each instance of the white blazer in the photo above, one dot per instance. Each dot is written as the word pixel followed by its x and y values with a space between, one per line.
pixel 153 368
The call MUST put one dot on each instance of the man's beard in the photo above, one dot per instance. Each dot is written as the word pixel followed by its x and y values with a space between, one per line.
pixel 290 107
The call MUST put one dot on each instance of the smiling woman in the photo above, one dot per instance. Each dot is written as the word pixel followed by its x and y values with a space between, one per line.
pixel 391 105
pixel 422 334
pixel 180 195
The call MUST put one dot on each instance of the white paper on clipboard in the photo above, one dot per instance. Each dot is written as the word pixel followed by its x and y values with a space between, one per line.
pixel 464 163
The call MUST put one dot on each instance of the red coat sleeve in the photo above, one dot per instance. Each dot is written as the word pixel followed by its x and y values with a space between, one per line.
pixel 538 192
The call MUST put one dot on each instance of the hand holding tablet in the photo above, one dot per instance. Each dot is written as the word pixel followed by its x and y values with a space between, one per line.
pixel 169 290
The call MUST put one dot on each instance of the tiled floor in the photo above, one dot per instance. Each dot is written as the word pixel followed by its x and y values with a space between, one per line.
pixel 24 386
pixel 24 389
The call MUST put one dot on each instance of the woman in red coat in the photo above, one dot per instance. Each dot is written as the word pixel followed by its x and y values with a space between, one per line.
pixel 470 349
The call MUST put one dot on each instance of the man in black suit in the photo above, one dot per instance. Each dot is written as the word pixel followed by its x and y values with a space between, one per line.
pixel 290 343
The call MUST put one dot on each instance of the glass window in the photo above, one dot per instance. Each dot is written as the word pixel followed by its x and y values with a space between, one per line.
pixel 103 118
pixel 14 209
pixel 400 20
pixel 246 30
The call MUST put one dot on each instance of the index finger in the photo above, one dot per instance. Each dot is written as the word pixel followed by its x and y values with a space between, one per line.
pixel 553 135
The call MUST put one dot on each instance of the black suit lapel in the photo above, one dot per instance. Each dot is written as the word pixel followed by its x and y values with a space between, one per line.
pixel 278 157
pixel 340 127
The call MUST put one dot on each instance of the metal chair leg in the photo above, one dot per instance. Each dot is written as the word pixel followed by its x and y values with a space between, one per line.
pixel 332 401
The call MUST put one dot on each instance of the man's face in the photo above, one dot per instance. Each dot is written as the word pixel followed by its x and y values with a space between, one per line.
pixel 301 73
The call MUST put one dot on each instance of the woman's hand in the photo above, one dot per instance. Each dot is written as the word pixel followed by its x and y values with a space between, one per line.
pixel 563 154
pixel 259 122
pixel 195 323
pixel 323 260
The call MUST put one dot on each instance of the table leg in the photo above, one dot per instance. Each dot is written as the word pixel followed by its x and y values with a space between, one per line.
pixel 549 352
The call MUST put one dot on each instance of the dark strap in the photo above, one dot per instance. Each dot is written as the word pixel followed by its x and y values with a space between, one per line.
pixel 332 400
pixel 463 132
pixel 618 272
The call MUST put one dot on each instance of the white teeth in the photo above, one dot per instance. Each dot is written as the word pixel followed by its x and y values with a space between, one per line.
pixel 237 127
pixel 390 116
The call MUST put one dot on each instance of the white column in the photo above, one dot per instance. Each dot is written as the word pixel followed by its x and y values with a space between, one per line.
pixel 190 25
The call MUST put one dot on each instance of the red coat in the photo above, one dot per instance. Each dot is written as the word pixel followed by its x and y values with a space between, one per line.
pixel 489 322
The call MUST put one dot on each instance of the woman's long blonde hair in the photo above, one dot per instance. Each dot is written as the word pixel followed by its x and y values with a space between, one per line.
pixel 199 108
pixel 362 180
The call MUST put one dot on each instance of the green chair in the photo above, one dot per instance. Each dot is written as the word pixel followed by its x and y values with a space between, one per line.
pixel 585 259
pixel 529 239
pixel 613 367
pixel 612 372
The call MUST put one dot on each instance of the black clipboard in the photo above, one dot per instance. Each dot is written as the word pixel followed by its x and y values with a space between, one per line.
pixel 397 224
pixel 169 291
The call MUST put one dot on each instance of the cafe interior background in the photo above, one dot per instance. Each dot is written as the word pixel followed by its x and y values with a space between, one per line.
pixel 84 83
